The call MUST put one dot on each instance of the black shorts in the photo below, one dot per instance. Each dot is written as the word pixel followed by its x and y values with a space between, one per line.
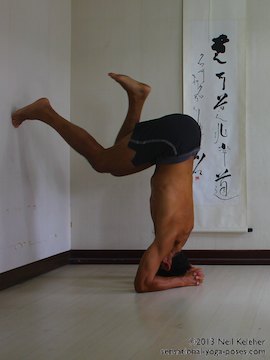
pixel 167 140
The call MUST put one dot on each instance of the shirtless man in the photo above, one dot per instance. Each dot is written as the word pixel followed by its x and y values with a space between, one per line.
pixel 170 143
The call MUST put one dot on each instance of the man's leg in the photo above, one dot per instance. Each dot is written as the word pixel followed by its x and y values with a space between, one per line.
pixel 116 160
pixel 137 93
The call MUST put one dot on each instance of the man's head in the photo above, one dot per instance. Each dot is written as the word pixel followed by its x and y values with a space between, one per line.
pixel 174 265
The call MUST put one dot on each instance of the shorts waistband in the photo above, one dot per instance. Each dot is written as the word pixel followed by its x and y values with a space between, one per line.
pixel 178 158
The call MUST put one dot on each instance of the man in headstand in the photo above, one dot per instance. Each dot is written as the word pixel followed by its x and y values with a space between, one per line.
pixel 170 143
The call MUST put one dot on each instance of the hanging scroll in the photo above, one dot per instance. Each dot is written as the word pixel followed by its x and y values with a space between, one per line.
pixel 214 94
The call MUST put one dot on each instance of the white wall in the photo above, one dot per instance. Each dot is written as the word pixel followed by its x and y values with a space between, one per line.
pixel 140 38
pixel 34 162
pixel 143 38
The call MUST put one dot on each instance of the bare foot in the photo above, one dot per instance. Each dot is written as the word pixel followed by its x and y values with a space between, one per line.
pixel 133 88
pixel 30 112
pixel 193 277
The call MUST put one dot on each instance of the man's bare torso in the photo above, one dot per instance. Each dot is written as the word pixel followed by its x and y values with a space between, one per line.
pixel 171 198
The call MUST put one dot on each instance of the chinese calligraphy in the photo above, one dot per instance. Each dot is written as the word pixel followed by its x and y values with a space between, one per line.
pixel 222 180
pixel 219 47
pixel 220 108
pixel 198 95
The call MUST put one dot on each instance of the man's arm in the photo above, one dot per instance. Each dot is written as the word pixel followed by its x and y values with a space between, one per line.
pixel 146 279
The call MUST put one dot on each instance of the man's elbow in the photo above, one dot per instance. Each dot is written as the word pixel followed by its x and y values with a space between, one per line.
pixel 141 286
pixel 138 287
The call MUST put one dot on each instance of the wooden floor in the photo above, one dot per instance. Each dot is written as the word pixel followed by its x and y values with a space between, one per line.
pixel 85 312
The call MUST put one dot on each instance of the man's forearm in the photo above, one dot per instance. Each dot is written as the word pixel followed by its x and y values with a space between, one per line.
pixel 160 283
pixel 147 281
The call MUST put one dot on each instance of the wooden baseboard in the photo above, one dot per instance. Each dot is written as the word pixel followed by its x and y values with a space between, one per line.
pixel 105 256
pixel 229 257
pixel 196 257
pixel 26 272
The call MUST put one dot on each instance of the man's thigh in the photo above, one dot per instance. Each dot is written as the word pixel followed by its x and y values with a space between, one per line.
pixel 117 159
